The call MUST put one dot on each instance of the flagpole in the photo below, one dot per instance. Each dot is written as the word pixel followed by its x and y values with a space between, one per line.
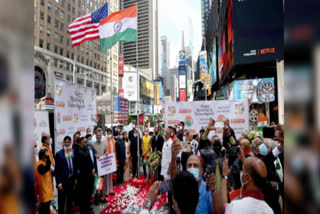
pixel 138 94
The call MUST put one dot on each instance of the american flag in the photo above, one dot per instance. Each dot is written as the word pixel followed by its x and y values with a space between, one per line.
pixel 86 27
pixel 121 110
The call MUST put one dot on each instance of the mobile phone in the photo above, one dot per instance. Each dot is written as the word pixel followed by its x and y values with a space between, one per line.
pixel 268 132
pixel 165 186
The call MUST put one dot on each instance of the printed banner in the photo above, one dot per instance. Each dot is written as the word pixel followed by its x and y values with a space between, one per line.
pixel 129 82
pixel 75 110
pixel 41 126
pixel 120 66
pixel 182 95
pixel 196 115
pixel 106 165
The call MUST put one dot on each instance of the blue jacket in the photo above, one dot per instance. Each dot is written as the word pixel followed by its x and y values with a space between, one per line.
pixel 62 168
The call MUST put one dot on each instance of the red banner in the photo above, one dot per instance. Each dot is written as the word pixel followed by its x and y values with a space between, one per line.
pixel 121 66
pixel 141 118
pixel 182 95
pixel 121 92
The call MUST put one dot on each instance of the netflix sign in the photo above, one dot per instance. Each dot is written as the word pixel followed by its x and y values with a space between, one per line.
pixel 121 63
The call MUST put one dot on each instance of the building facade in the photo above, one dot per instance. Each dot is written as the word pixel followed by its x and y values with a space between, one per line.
pixel 205 7
pixel 148 38
pixel 55 57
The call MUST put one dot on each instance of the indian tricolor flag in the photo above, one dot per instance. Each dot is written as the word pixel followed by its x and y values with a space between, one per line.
pixel 98 183
pixel 262 122
pixel 119 26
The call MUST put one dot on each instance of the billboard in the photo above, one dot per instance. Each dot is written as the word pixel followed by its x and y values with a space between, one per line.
pixel 121 66
pixel 129 83
pixel 182 95
pixel 182 55
pixel 189 83
pixel 75 110
pixel 256 90
pixel 182 81
pixel 146 87
pixel 121 92
pixel 41 126
pixel 202 63
pixel 259 39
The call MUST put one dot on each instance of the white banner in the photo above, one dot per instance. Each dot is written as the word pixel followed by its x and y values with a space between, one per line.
pixel 196 115
pixel 106 164
pixel 129 82
pixel 182 81
pixel 41 126
pixel 75 110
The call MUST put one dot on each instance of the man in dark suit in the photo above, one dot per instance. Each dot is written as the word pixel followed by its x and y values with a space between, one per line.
pixel 84 167
pixel 121 157
pixel 157 144
pixel 134 152
pixel 64 174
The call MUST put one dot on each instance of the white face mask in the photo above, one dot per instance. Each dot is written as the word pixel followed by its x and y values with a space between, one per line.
pixel 50 141
pixel 184 138
pixel 109 136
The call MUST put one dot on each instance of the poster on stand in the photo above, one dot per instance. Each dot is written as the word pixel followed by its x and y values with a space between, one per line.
pixel 106 165
pixel 196 115
pixel 75 110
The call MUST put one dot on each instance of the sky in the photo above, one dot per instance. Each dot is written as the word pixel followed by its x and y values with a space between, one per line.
pixel 175 17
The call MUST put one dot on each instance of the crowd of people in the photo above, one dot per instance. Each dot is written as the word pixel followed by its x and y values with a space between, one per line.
pixel 206 175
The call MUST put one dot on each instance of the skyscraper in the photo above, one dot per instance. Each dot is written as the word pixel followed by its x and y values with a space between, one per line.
pixel 205 6
pixel 165 64
pixel 148 38
pixel 55 56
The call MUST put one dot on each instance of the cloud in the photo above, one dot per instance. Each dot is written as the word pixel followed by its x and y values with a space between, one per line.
pixel 175 17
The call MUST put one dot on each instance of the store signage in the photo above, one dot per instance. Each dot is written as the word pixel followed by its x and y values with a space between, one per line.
pixel 182 93
pixel 121 93
pixel 121 66
pixel 182 81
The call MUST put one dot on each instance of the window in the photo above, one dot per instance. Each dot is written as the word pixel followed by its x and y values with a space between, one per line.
pixel 41 43
pixel 49 6
pixel 82 60
pixel 68 55
pixel 42 2
pixel 83 7
pixel 72 56
pixel 88 11
pixel 69 19
pixel 98 66
pixel 49 20
pixel 56 49
pixel 61 51
pixel 95 65
pixel 73 10
pixel 90 3
pixel 97 87
pixel 103 88
pixel 68 42
pixel 69 7
pixel 57 11
pixel 61 26
pixel 62 3
pixel 48 46
pixel 80 81
pixel 57 1
pixel 95 7
pixel 41 15
pixel 89 83
pixel 61 39
pixel 48 32
pixel 79 3
pixel 58 74
pixel 56 23
pixel 61 14
pixel 56 36
pixel 90 63
pixel 82 50
pixel 69 78
pixel 73 1
pixel 79 14
pixel 87 62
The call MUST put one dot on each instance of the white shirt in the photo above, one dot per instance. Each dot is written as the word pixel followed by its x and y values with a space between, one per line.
pixel 248 205
pixel 166 154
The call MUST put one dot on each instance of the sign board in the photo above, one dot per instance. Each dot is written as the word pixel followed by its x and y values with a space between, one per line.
pixel 189 87
pixel 146 87
pixel 196 115
pixel 121 66
pixel 121 92
pixel 129 82
pixel 106 164
pixel 182 81
pixel 182 55
pixel 182 63
pixel 41 126
pixel 75 110
pixel 182 95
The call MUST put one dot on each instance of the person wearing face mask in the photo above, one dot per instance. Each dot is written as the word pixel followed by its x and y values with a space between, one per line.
pixel 46 193
pixel 116 132
pixel 108 183
pixel 47 144
pixel 261 151
pixel 184 202
pixel 88 131
pixel 146 150
pixel 121 157
pixel 92 155
pixel 166 154
pixel 134 152
pixel 64 174
pixel 98 130
pixel 173 133
pixel 180 132
pixel 85 173
pixel 252 200
pixel 157 145
pixel 100 149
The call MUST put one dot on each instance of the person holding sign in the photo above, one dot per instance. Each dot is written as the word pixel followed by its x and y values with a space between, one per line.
pixel 100 149
pixel 108 183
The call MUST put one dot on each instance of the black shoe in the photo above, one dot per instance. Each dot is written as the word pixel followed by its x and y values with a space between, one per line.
pixel 112 193
pixel 103 201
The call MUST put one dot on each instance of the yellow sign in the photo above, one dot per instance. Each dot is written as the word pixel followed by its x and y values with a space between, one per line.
pixel 202 74
pixel 147 88
pixel 208 80
pixel 157 94
pixel 209 91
